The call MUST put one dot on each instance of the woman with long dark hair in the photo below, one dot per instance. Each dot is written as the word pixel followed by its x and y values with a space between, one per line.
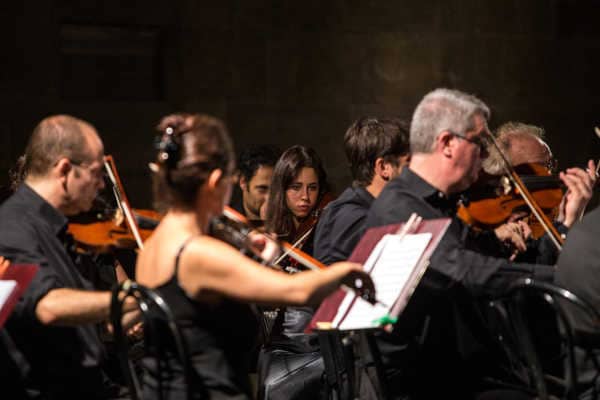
pixel 208 283
pixel 298 192
pixel 290 366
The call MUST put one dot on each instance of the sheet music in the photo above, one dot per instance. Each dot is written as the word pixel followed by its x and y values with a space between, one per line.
pixel 390 264
pixel 6 288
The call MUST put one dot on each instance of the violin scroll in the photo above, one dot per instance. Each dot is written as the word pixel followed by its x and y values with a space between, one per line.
pixel 258 246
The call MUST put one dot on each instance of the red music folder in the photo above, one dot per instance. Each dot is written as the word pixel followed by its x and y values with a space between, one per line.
pixel 13 284
pixel 396 256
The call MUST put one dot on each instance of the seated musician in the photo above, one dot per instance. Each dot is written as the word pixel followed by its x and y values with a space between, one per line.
pixel 446 353
pixel 209 284
pixel 298 191
pixel 377 149
pixel 53 323
pixel 523 146
pixel 255 166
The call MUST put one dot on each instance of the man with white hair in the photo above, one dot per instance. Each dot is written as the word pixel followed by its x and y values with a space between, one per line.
pixel 524 148
pixel 443 342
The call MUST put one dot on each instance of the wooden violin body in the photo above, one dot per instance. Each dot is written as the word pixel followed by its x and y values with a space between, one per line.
pixel 126 228
pixel 105 235
pixel 494 200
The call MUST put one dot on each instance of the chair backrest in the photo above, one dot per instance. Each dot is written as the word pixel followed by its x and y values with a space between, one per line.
pixel 353 367
pixel 566 307
pixel 152 306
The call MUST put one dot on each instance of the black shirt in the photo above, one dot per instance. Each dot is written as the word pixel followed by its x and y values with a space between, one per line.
pixel 441 336
pixel 341 225
pixel 578 268
pixel 65 361
pixel 462 255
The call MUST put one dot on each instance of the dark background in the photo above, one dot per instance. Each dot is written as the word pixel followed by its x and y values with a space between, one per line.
pixel 288 72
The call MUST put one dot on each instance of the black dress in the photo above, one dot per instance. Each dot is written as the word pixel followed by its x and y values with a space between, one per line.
pixel 219 339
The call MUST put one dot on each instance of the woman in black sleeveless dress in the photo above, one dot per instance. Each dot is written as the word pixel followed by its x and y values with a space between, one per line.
pixel 209 284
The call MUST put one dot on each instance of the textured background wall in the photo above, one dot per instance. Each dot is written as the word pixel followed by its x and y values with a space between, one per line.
pixel 288 72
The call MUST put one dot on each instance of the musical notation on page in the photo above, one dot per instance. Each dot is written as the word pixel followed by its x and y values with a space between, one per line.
pixel 390 265
pixel 396 257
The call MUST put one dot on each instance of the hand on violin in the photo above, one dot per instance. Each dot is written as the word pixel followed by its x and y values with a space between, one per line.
pixel 515 234
pixel 580 184
pixel 359 281
pixel 264 246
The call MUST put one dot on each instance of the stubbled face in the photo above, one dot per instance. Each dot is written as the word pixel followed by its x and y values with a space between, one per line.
pixel 301 195
pixel 86 178
pixel 469 155
pixel 256 190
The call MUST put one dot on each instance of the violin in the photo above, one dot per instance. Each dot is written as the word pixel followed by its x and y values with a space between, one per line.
pixel 494 199
pixel 126 228
pixel 241 237
pixel 101 235
pixel 514 178
pixel 303 233
pixel 235 231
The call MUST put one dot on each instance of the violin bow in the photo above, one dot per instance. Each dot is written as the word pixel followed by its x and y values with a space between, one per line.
pixel 305 259
pixel 289 250
pixel 290 247
pixel 117 186
pixel 557 240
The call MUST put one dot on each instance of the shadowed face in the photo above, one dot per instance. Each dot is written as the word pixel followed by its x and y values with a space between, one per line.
pixel 528 149
pixel 255 190
pixel 86 177
pixel 301 195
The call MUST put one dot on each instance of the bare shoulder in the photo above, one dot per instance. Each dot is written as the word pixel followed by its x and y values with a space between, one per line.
pixel 156 262
pixel 204 249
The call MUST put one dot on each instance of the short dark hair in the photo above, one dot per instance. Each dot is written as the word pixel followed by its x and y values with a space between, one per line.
pixel 53 138
pixel 191 146
pixel 369 138
pixel 279 217
pixel 256 156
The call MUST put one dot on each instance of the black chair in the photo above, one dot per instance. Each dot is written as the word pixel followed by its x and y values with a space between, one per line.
pixel 351 360
pixel 519 337
pixel 153 308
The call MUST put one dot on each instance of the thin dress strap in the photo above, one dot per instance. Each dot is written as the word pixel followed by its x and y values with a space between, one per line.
pixel 177 257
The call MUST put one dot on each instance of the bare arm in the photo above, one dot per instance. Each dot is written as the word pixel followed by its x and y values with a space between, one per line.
pixel 210 265
pixel 71 307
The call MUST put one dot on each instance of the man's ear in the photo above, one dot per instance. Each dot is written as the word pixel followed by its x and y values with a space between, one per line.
pixel 62 167
pixel 383 169
pixel 243 183
pixel 443 142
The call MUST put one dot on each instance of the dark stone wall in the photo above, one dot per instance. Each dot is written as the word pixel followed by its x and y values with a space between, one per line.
pixel 288 72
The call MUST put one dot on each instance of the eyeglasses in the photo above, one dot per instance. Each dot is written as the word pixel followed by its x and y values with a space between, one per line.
pixel 478 141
